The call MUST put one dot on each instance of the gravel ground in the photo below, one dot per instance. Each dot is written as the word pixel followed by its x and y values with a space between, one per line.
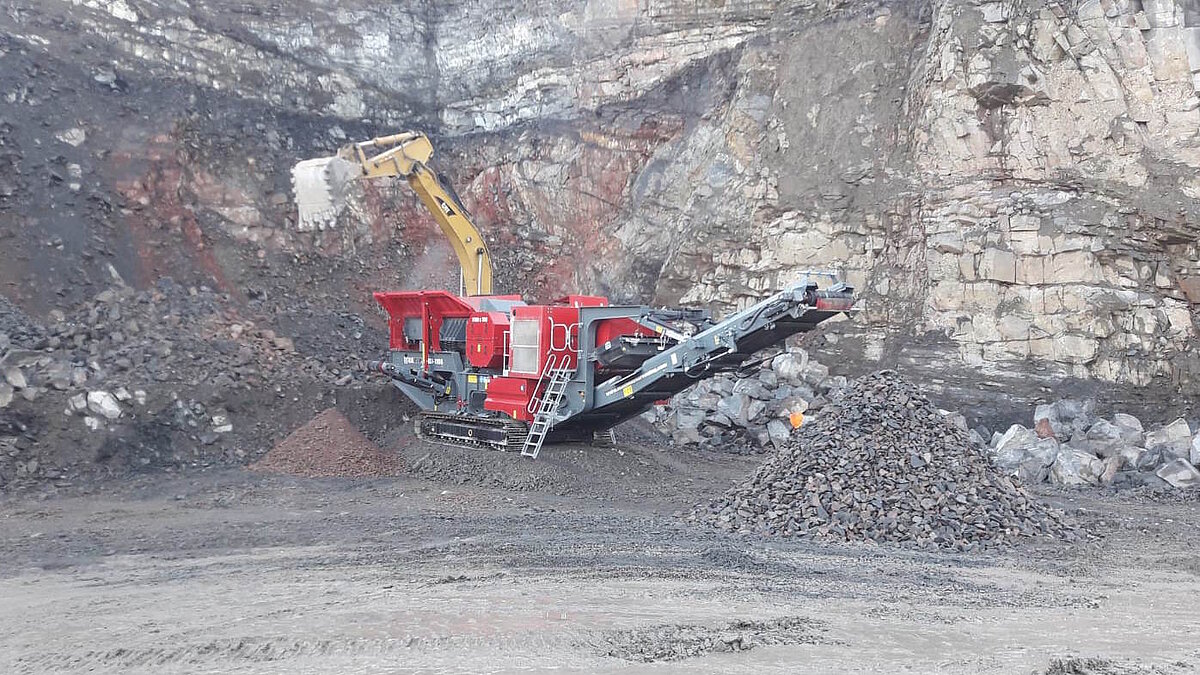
pixel 241 572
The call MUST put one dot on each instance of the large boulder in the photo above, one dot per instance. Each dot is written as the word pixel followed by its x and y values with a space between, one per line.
pixel 1174 439
pixel 707 401
pixel 687 436
pixel 687 419
pixel 1131 428
pixel 1030 462
pixel 1073 466
pixel 1063 419
pixel 1195 453
pixel 736 407
pixel 754 411
pixel 957 419
pixel 779 431
pixel 1017 436
pixel 1103 439
pixel 15 377
pixel 768 378
pixel 1045 424
pixel 793 405
pixel 104 404
pixel 814 373
pixel 753 388
pixel 1152 458
pixel 976 439
pixel 1179 473
pixel 1132 479
pixel 1131 456
pixel 1111 466
pixel 790 366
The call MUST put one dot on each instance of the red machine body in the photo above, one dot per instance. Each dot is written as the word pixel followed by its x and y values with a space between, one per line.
pixel 506 352
pixel 582 301
pixel 492 371
pixel 611 329
pixel 541 334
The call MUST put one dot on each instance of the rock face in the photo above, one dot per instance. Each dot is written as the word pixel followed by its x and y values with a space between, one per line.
pixel 1015 187
pixel 883 465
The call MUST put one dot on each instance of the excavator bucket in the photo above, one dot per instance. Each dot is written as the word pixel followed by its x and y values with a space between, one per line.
pixel 320 187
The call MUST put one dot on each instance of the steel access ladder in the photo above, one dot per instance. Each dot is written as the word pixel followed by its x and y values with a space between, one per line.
pixel 544 415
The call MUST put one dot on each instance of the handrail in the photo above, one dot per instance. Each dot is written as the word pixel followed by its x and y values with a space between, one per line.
pixel 504 365
pixel 569 331
pixel 533 406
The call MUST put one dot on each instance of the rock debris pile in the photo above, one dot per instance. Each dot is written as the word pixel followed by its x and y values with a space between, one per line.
pixel 328 446
pixel 16 328
pixel 170 375
pixel 1070 445
pixel 170 334
pixel 748 415
pixel 883 464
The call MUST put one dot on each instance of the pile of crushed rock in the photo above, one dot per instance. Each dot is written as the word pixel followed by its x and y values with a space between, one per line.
pixel 883 464
pixel 328 446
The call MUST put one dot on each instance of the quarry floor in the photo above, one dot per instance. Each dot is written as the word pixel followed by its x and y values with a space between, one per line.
pixel 238 572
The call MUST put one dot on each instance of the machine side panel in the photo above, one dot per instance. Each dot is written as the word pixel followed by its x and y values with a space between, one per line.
pixel 510 395
pixel 486 336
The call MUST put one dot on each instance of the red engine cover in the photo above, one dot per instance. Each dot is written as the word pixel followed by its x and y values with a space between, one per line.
pixel 582 301
pixel 485 339
pixel 541 332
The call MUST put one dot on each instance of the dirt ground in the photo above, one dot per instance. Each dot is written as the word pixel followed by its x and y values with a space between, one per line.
pixel 578 562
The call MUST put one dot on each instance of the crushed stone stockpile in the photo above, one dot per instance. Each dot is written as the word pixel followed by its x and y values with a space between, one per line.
pixel 883 464
pixel 327 446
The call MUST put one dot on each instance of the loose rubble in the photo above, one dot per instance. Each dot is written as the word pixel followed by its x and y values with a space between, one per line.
pixel 170 334
pixel 328 446
pixel 748 414
pixel 882 464
pixel 177 375
pixel 673 642
pixel 17 329
pixel 1070 445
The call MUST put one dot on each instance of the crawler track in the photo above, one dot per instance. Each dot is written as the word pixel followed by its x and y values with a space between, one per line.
pixel 464 431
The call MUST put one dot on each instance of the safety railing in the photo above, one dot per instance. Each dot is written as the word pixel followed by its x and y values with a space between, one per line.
pixel 549 370
pixel 569 334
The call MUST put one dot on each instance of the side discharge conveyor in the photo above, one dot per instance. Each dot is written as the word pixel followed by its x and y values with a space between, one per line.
pixel 493 371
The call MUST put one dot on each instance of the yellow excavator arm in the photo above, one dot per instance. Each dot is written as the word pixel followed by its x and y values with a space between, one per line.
pixel 405 154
